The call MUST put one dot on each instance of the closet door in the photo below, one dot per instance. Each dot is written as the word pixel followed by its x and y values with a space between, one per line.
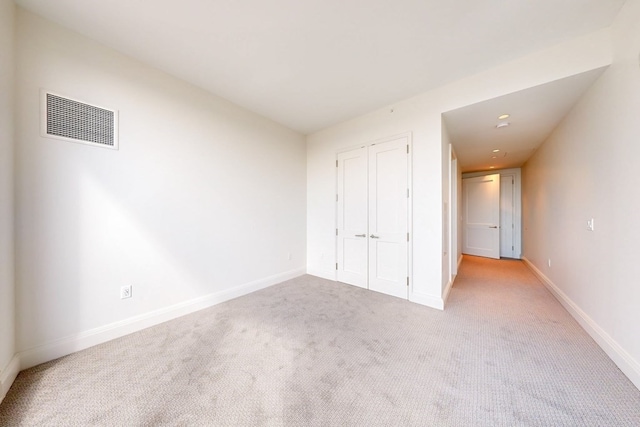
pixel 373 217
pixel 388 217
pixel 352 221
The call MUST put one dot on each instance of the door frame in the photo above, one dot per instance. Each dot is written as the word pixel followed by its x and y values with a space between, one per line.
pixel 508 179
pixel 517 172
pixel 487 229
pixel 454 194
pixel 409 136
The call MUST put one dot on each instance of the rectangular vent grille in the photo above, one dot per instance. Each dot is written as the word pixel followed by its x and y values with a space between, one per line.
pixel 79 122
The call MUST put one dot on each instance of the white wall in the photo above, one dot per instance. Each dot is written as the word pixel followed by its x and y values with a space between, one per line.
pixel 202 202
pixel 7 288
pixel 421 115
pixel 455 186
pixel 459 215
pixel 587 169
pixel 321 152
pixel 445 152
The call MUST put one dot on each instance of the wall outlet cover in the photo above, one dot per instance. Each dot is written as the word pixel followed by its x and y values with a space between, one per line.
pixel 125 292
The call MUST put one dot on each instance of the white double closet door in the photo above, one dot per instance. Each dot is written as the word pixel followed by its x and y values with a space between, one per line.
pixel 373 217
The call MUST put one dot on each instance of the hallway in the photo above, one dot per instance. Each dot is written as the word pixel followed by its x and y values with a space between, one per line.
pixel 531 353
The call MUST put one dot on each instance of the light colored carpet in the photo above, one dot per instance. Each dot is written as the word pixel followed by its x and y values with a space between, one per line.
pixel 311 352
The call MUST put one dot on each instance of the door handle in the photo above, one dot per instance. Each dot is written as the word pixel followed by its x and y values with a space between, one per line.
pixel 373 236
pixel 493 226
pixel 361 235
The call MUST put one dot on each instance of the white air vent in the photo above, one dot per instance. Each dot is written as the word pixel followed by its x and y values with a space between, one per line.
pixel 75 121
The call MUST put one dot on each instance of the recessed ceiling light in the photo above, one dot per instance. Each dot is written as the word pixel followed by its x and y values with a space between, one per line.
pixel 494 157
pixel 504 116
pixel 502 125
pixel 496 151
pixel 492 167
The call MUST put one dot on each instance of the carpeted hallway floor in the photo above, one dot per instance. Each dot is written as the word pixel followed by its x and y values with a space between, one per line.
pixel 311 352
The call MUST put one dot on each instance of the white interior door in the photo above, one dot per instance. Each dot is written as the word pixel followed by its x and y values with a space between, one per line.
pixel 352 224
pixel 388 218
pixel 507 216
pixel 481 200
pixel 372 217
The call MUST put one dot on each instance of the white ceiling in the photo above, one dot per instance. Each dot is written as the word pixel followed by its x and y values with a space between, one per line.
pixel 309 64
pixel 534 113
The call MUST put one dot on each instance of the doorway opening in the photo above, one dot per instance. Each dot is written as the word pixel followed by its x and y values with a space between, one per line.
pixel 491 212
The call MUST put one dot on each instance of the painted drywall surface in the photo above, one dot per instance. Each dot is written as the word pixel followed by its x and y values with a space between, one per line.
pixel 587 169
pixel 7 288
pixel 445 151
pixel 202 196
pixel 421 115
pixel 459 214
pixel 321 154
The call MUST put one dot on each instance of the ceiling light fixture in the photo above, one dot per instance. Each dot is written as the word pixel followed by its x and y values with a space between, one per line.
pixel 496 151
pixel 502 125
pixel 504 116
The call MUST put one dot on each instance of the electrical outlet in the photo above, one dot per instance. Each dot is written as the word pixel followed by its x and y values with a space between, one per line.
pixel 125 291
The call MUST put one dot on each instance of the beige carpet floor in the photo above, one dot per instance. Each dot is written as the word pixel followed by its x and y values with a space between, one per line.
pixel 311 352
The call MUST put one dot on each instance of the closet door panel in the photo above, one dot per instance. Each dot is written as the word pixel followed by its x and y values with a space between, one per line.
pixel 388 217
pixel 352 217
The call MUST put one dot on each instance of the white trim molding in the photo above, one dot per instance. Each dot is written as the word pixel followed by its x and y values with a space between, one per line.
pixel 8 376
pixel 627 364
pixel 447 290
pixel 70 344
pixel 432 301
pixel 323 274
pixel 415 297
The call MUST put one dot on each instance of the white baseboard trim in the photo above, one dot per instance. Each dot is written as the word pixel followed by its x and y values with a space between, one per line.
pixel 9 374
pixel 329 275
pixel 460 261
pixel 428 300
pixel 422 299
pixel 447 290
pixel 70 344
pixel 627 364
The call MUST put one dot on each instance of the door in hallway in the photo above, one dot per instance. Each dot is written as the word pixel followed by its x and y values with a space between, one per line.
pixel 372 217
pixel 481 204
pixel 507 216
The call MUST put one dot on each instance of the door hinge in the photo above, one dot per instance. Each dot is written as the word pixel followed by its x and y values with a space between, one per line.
pixel 511 247
pixel 336 231
pixel 336 197
pixel 407 148
pixel 336 163
pixel 407 281
pixel 407 237
pixel 407 193
pixel 336 265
